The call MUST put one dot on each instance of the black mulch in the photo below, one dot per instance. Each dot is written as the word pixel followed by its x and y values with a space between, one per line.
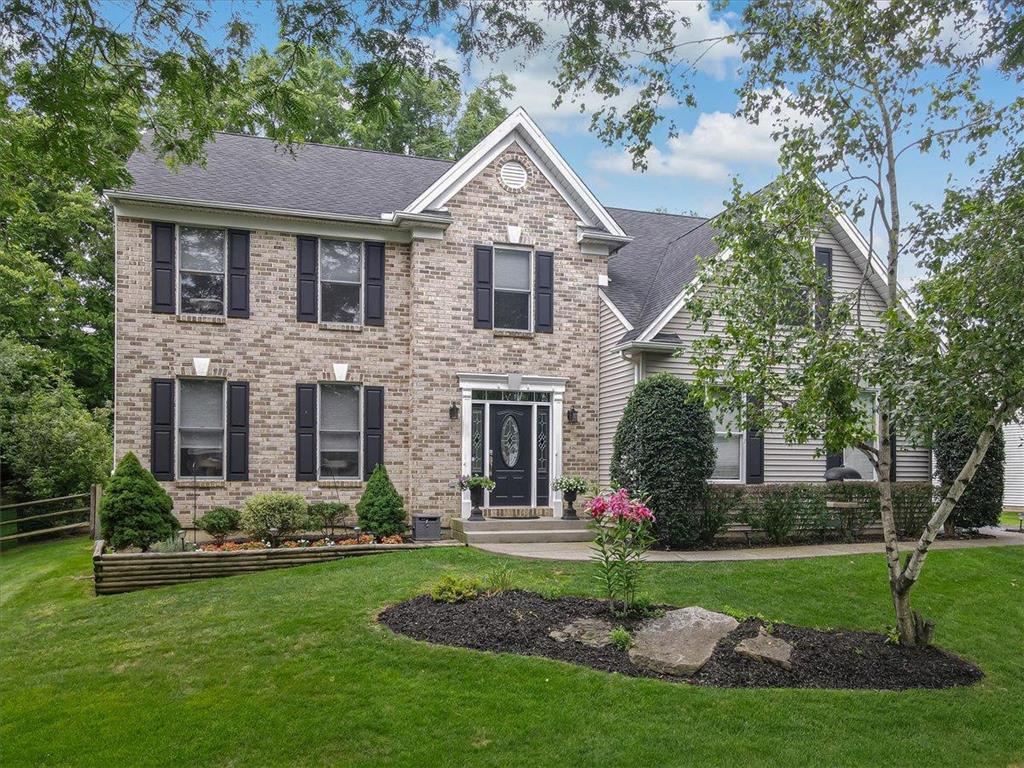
pixel 519 622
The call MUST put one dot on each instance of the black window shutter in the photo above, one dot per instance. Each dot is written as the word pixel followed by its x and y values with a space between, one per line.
pixel 238 273
pixel 482 266
pixel 545 284
pixel 754 452
pixel 305 432
pixel 238 430
pixel 823 304
pixel 161 436
pixel 306 288
pixel 892 453
pixel 373 313
pixel 373 429
pixel 163 268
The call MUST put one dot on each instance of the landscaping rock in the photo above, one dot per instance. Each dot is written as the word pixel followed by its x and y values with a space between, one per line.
pixel 593 632
pixel 766 648
pixel 680 642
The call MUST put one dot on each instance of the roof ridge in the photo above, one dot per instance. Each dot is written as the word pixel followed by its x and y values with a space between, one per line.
pixel 657 213
pixel 335 146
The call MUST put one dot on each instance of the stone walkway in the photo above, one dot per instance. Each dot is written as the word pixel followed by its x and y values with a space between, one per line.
pixel 579 550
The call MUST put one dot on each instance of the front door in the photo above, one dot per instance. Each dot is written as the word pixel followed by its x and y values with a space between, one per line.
pixel 511 455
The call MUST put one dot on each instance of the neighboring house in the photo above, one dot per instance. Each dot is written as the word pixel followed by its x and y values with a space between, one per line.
pixel 286 321
pixel 1013 485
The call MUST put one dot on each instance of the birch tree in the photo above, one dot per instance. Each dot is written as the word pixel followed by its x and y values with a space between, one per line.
pixel 855 90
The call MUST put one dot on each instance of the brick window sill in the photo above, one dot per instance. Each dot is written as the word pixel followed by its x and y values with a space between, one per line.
pixel 352 327
pixel 208 319
pixel 514 334
pixel 339 483
pixel 188 483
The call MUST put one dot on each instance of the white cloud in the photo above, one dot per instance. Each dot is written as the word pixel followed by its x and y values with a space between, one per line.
pixel 718 143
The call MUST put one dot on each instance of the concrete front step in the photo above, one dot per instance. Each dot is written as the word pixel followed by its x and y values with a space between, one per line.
pixel 520 531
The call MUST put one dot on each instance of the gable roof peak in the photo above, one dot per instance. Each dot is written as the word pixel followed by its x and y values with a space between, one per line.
pixel 520 128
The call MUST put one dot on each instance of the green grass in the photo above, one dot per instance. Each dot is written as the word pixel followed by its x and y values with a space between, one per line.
pixel 288 668
pixel 1009 519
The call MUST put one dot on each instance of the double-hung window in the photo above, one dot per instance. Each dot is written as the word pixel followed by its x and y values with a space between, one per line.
pixel 340 436
pixel 855 457
pixel 728 444
pixel 513 288
pixel 341 281
pixel 202 255
pixel 200 428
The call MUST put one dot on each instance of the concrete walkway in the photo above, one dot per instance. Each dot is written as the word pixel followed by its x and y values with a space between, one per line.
pixel 579 550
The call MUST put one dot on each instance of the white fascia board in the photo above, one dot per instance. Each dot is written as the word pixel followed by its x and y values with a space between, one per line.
pixel 226 217
pixel 542 153
pixel 615 310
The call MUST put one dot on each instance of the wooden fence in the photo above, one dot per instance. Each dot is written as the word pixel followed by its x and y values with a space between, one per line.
pixel 78 512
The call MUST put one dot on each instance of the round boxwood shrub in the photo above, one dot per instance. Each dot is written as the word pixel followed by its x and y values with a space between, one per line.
pixel 135 511
pixel 380 509
pixel 664 450
pixel 219 522
pixel 982 501
pixel 284 511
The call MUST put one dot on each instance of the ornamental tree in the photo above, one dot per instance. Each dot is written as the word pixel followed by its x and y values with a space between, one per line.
pixel 805 350
pixel 135 511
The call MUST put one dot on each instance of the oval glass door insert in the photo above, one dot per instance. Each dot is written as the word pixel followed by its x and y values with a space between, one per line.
pixel 510 441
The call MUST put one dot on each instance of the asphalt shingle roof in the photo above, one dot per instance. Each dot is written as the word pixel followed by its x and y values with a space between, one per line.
pixel 253 171
pixel 644 275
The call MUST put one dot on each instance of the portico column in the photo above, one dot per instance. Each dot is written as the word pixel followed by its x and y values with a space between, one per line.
pixel 467 447
pixel 556 450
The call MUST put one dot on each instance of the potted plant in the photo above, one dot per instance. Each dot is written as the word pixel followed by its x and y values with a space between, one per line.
pixel 570 486
pixel 476 484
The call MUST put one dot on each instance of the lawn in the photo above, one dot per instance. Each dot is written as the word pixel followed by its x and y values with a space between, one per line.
pixel 288 668
pixel 1010 519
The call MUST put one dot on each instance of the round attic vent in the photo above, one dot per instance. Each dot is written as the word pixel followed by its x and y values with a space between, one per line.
pixel 513 175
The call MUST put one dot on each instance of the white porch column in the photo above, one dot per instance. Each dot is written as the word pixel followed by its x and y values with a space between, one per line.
pixel 467 446
pixel 556 449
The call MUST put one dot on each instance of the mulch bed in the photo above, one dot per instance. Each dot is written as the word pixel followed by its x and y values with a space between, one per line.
pixel 519 622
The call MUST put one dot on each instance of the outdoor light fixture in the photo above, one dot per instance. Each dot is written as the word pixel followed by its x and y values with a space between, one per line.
pixel 572 416
pixel 453 411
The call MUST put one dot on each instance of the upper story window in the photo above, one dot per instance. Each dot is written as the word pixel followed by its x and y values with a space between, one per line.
pixel 341 281
pixel 200 428
pixel 340 436
pixel 512 289
pixel 202 256
pixel 854 457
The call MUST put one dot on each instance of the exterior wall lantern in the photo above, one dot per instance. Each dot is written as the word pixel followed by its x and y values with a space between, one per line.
pixel 572 416
pixel 453 411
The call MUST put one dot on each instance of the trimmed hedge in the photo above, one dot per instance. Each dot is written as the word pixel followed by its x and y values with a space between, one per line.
pixel 664 451
pixel 135 511
pixel 982 500
pixel 287 512
pixel 795 511
pixel 380 509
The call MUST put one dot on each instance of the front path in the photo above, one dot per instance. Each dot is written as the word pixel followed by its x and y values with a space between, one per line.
pixel 579 550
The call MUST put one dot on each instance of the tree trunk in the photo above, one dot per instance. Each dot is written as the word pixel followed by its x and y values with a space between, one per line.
pixel 900 599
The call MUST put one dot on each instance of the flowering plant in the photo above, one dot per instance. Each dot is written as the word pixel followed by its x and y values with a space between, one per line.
pixel 571 484
pixel 466 482
pixel 622 534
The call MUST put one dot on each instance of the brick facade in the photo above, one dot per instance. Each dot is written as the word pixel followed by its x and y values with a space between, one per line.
pixel 428 338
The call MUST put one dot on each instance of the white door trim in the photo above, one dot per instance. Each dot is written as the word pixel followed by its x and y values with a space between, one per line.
pixel 527 383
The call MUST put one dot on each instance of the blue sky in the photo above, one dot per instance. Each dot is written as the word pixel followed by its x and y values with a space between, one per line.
pixel 689 173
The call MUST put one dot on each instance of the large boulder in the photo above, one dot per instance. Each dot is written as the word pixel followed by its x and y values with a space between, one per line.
pixel 593 632
pixel 680 642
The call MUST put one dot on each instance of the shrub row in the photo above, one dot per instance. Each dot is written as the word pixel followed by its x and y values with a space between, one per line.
pixel 136 511
pixel 800 510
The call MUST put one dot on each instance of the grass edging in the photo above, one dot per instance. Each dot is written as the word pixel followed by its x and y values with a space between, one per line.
pixel 114 573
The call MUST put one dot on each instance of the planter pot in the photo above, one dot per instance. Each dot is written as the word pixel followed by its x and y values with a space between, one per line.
pixel 476 497
pixel 569 513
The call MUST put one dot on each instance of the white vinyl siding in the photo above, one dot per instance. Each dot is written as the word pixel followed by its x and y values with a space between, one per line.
pixel 616 378
pixel 784 462
pixel 1013 486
